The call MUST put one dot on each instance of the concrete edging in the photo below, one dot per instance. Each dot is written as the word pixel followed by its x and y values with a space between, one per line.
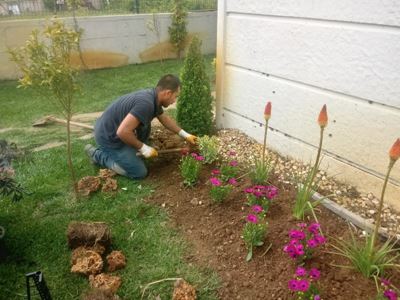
pixel 348 215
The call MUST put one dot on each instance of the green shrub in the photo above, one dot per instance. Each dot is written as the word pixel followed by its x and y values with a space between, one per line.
pixel 177 31
pixel 194 107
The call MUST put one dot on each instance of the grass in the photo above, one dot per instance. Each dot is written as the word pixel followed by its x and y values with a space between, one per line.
pixel 36 227
pixel 22 107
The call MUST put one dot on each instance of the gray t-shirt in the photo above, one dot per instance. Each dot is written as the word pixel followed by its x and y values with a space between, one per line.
pixel 141 104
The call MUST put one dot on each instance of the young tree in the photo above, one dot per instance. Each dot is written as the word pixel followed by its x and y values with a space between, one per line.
pixel 45 64
pixel 194 107
pixel 177 30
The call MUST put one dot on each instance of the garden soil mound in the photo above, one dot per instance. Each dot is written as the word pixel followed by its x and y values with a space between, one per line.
pixel 214 232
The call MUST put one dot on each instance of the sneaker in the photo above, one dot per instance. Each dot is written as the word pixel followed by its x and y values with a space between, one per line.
pixel 90 149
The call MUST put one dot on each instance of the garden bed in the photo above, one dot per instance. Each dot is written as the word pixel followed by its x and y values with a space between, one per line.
pixel 215 233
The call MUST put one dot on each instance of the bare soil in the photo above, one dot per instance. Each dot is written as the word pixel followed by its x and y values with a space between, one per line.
pixel 215 233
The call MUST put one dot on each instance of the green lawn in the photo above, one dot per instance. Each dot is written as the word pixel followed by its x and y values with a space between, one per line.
pixel 22 107
pixel 36 227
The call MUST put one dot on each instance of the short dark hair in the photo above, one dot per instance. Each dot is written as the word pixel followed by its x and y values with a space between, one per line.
pixel 169 82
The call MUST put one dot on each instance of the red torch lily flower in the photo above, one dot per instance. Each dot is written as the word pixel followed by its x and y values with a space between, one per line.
pixel 394 152
pixel 267 111
pixel 323 117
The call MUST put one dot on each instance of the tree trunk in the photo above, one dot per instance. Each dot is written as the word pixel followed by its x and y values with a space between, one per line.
pixel 69 156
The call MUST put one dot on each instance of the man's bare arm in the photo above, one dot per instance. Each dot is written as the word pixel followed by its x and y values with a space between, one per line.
pixel 126 131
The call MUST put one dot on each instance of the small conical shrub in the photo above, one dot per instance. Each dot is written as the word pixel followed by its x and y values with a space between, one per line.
pixel 194 107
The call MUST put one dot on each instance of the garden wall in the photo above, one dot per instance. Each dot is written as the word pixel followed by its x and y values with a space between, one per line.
pixel 302 54
pixel 110 41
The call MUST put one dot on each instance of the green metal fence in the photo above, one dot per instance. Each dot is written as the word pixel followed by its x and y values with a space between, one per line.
pixel 43 8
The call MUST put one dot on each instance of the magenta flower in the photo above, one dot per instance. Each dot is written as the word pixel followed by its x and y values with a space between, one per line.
pixel 317 297
pixel 232 181
pixel 293 286
pixel 303 285
pixel 252 219
pixel 320 239
pixel 312 243
pixel 194 155
pixel 199 158
pixel 390 294
pixel 385 282
pixel 300 271
pixel 215 172
pixel 257 208
pixel 297 234
pixel 257 194
pixel 315 274
pixel 233 163
pixel 215 181
pixel 314 228
pixel 248 190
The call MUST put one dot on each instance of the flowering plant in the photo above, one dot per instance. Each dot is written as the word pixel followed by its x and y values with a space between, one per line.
pixel 220 190
pixel 229 170
pixel 386 290
pixel 208 148
pixel 306 190
pixel 261 171
pixel 305 284
pixel 254 230
pixel 304 241
pixel 261 195
pixel 190 168
pixel 368 257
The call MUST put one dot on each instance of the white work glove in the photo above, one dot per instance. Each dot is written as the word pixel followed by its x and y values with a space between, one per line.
pixel 188 137
pixel 148 151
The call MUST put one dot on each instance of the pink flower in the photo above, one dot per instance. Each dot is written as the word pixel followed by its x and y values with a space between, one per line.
pixel 248 190
pixel 312 243
pixel 297 234
pixel 233 163
pixel 194 155
pixel 199 158
pixel 320 239
pixel 317 297
pixel 257 193
pixel 215 172
pixel 293 286
pixel 390 294
pixel 252 219
pixel 385 282
pixel 231 153
pixel 314 228
pixel 303 285
pixel 257 208
pixel 315 274
pixel 215 181
pixel 232 181
pixel 300 271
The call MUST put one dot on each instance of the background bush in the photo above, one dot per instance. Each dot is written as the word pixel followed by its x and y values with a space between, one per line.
pixel 194 107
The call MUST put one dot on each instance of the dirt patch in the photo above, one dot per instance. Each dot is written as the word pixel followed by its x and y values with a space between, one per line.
pixel 215 233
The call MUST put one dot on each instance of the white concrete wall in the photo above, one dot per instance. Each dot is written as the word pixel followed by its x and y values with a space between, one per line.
pixel 302 54
pixel 110 41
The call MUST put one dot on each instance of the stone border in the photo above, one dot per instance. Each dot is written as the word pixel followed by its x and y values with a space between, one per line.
pixel 350 216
